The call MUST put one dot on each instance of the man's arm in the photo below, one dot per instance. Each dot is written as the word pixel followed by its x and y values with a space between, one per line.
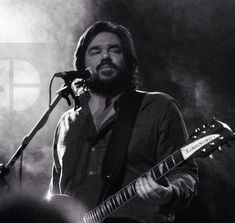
pixel 56 168
pixel 180 184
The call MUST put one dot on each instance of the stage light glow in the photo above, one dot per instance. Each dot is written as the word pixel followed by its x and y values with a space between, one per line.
pixel 21 23
pixel 4 84
pixel 13 25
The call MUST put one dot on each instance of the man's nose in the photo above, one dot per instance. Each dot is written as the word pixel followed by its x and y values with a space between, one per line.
pixel 105 54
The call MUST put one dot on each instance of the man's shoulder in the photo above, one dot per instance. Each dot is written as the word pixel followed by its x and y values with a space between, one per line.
pixel 156 97
pixel 70 115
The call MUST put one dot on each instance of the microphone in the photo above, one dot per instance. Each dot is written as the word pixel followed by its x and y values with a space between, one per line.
pixel 89 74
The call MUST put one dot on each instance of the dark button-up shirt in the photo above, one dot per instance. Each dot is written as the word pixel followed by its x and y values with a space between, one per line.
pixel 159 130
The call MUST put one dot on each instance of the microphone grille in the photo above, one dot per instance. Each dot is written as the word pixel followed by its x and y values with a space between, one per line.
pixel 93 74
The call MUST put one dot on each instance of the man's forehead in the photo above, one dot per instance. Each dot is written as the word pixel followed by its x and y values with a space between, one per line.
pixel 105 38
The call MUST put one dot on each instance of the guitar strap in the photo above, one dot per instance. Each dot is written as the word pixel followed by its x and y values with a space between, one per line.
pixel 116 153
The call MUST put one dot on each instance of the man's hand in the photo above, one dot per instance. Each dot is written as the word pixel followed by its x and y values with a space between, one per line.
pixel 149 190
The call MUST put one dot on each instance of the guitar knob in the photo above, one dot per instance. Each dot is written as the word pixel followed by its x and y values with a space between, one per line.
pixel 212 144
pixel 211 156
pixel 220 149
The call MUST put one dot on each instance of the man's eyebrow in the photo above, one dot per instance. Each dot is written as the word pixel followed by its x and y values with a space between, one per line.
pixel 115 46
pixel 95 47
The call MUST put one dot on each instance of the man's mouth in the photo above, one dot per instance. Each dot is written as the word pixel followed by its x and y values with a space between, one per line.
pixel 107 69
pixel 106 66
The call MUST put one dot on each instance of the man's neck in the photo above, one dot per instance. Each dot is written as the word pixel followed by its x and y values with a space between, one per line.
pixel 102 107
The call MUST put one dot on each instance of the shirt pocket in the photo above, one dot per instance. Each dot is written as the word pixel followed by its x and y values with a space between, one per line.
pixel 143 141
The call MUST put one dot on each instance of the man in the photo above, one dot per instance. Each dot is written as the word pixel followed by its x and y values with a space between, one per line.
pixel 83 133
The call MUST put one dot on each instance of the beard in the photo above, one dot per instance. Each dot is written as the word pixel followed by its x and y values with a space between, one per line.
pixel 112 85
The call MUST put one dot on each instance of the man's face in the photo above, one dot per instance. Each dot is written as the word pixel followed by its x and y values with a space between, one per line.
pixel 105 54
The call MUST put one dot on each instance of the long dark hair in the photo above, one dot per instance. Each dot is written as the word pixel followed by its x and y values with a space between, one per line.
pixel 126 42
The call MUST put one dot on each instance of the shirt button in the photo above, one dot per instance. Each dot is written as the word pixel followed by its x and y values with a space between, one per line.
pixel 92 149
pixel 92 173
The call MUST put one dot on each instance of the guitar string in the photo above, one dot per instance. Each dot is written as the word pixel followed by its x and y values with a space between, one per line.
pixel 175 164
pixel 177 152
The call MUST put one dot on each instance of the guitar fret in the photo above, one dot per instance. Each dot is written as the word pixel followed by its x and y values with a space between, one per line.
pixel 96 217
pixel 173 160
pixel 125 195
pixel 103 209
pixel 118 199
pixel 84 219
pixel 112 206
pixel 99 213
pixel 157 172
pixel 153 174
pixel 121 197
pixel 124 198
pixel 127 192
pixel 164 168
pixel 133 189
pixel 109 205
pixel 89 218
pixel 170 163
pixel 129 189
pixel 165 163
pixel 92 217
pixel 178 157
pixel 113 202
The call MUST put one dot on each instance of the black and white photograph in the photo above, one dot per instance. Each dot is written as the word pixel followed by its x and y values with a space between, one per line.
pixel 117 111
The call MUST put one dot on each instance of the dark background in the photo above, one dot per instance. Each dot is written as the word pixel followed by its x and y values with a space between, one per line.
pixel 185 48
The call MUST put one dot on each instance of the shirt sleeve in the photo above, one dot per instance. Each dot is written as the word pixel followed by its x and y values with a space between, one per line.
pixel 54 187
pixel 172 136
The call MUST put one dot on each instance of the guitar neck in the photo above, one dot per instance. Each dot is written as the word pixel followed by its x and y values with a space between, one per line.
pixel 120 198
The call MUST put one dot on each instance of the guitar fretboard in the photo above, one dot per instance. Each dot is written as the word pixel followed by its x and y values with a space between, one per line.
pixel 117 200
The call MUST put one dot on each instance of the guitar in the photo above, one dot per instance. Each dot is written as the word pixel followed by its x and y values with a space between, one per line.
pixel 201 144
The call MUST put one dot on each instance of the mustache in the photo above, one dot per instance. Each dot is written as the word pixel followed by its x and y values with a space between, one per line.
pixel 106 62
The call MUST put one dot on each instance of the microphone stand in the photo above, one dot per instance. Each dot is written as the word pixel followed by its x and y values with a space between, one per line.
pixel 63 92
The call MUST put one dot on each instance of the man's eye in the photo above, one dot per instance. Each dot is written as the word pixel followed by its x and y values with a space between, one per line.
pixel 115 50
pixel 94 51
